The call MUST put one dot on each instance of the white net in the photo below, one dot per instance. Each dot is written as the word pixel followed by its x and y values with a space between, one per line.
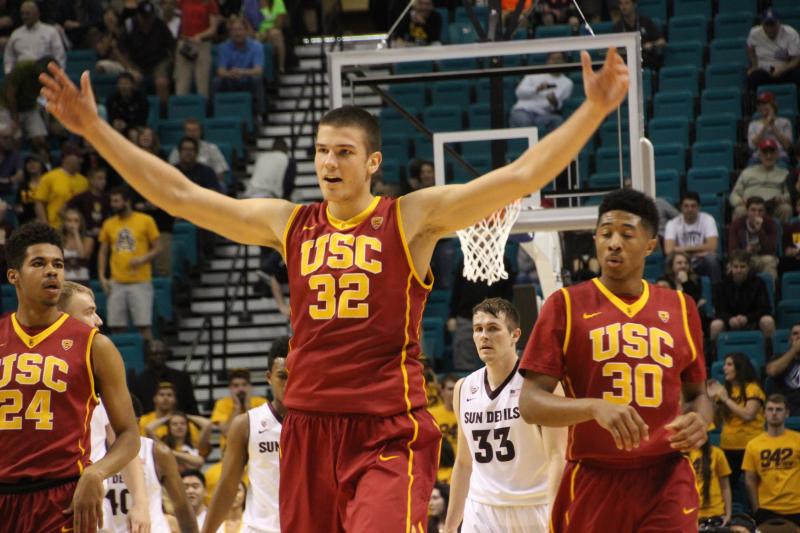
pixel 484 244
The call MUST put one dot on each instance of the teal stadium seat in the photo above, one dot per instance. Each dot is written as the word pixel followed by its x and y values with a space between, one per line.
pixel 480 162
pixel 674 104
pixel 131 346
pixel 654 266
pixel 785 96
pixel 461 33
pixel 769 283
pixel 549 32
pixel 713 154
pixel 413 67
pixel 716 101
pixel 605 180
pixel 788 312
pixel 736 6
pixel 669 129
pixel 790 285
pixel 607 159
pixel 162 298
pixel 688 53
pixel 717 372
pixel 186 106
pixel 170 131
pixel 443 118
pixel 691 7
pixel 780 341
pixel 751 343
pixel 652 8
pixel 733 24
pixel 8 298
pixel 450 93
pixel 409 94
pixel 391 170
pixel 668 185
pixel 395 146
pixel 186 232
pixel 682 28
pixel 719 127
pixel 724 75
pixel 480 116
pixel 670 156
pixel 153 111
pixel 225 130
pixel 729 51
pixel 708 180
pixel 610 134
pixel 782 5
pixel 462 63
pixel 104 85
pixel 679 79
pixel 269 63
pixel 433 337
pixel 79 61
pixel 391 120
pixel 238 105
pixel 481 13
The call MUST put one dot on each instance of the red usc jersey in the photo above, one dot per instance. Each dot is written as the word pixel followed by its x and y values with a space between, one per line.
pixel 635 352
pixel 46 400
pixel 356 304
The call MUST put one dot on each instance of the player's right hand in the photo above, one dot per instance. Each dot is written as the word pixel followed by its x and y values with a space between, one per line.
pixel 74 108
pixel 623 422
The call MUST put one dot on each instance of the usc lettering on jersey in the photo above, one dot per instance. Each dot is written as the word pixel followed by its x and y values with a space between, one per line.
pixel 46 397
pixel 634 352
pixel 356 309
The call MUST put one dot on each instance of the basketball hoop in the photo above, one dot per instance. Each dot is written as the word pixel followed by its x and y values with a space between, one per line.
pixel 484 244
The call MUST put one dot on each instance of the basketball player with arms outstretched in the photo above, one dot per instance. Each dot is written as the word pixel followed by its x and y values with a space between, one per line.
pixel 359 449
pixel 627 352
pixel 154 466
pixel 506 471
pixel 254 442
pixel 52 364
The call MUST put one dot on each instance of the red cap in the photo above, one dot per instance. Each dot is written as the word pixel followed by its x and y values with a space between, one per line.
pixel 767 144
pixel 766 98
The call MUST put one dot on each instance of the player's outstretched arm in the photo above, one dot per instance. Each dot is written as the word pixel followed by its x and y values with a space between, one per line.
pixel 233 463
pixel 252 221
pixel 167 468
pixel 442 210
pixel 109 378
pixel 538 405
pixel 462 471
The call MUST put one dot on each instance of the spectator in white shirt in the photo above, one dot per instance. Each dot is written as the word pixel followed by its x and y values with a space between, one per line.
pixel 33 40
pixel 695 234
pixel 208 153
pixel 540 97
pixel 774 52
pixel 769 126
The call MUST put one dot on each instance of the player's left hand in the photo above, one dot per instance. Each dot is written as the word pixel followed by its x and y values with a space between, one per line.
pixel 87 502
pixel 139 519
pixel 607 87
pixel 689 432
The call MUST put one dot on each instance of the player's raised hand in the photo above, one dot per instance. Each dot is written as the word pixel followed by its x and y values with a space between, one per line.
pixel 688 432
pixel 87 502
pixel 608 86
pixel 623 422
pixel 73 108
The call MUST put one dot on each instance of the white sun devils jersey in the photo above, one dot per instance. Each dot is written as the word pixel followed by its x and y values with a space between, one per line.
pixel 509 466
pixel 263 452
pixel 119 500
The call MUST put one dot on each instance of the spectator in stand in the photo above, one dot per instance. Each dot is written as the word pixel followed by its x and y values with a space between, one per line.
pixel 240 65
pixel 772 467
pixel 110 60
pixel 466 295
pixel 204 176
pixel 127 107
pixel 58 186
pixel 769 126
pixel 784 369
pixel 694 233
pixel 552 12
pixel 156 370
pixel 19 107
pixel 678 275
pixel 421 174
pixel 421 26
pixel 78 21
pixel 653 42
pixel 147 44
pixel 509 7
pixel 194 482
pixel 33 40
pixel 32 171
pixel 9 20
pixel 129 241
pixel 790 262
pixel 274 173
pixel 199 21
pixel 148 140
pixel 756 234
pixel 447 420
pixel 237 402
pixel 187 436
pixel 267 20
pixel 740 402
pixel 171 17
pixel 712 473
pixel 94 204
pixel 5 231
pixel 774 52
pixel 78 247
pixel 437 507
pixel 10 162
pixel 765 180
pixel 540 97
pixel 208 153
pixel 741 301
pixel 272 277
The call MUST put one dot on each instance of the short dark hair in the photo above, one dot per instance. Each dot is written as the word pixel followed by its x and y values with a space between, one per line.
pixel 279 348
pixel 350 115
pixel 740 256
pixel 189 140
pixel 415 167
pixel 239 373
pixel 26 236
pixel 122 190
pixel 495 306
pixel 125 75
pixel 633 202
pixel 754 200
pixel 778 398
pixel 690 195
pixel 449 377
pixel 194 473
